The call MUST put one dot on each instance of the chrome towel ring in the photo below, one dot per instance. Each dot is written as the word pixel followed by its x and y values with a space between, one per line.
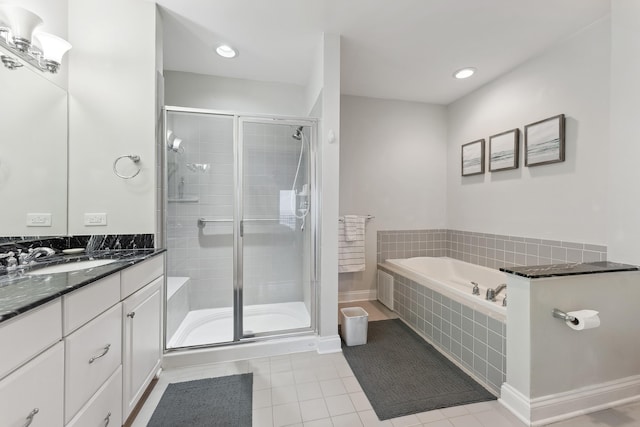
pixel 134 158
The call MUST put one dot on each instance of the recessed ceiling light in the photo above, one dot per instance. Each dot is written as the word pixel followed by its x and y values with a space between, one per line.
pixel 226 51
pixel 464 73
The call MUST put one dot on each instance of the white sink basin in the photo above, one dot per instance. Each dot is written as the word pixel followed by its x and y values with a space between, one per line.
pixel 71 266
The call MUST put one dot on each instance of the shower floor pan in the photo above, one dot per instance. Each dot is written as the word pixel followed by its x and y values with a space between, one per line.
pixel 215 325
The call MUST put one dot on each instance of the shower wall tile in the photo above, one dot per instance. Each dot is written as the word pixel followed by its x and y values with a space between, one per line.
pixel 272 249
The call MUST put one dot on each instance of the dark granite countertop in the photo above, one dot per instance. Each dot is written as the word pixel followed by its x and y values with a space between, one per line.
pixel 21 292
pixel 554 270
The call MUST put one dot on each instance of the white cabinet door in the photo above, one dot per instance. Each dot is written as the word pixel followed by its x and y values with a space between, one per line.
pixel 142 342
pixel 32 395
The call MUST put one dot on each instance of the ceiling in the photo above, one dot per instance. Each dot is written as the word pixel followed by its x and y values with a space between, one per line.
pixel 393 49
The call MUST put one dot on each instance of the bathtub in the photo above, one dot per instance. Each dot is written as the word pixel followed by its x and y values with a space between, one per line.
pixel 434 297
pixel 452 278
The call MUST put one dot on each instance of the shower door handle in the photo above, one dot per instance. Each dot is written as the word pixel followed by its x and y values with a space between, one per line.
pixel 241 228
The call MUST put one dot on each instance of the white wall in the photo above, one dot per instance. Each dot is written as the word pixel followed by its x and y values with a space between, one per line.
pixel 563 201
pixel 624 147
pixel 329 150
pixel 236 95
pixel 112 112
pixel 391 166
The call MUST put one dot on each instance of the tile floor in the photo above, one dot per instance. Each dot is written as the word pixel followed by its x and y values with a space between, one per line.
pixel 312 390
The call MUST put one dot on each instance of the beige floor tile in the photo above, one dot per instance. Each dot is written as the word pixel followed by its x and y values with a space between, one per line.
pixel 370 419
pixel 347 420
pixel 326 422
pixel 284 394
pixel 308 391
pixel 406 421
pixel 465 421
pixel 360 401
pixel 339 405
pixel 430 416
pixel 313 410
pixel 284 415
pixel 262 417
pixel 332 387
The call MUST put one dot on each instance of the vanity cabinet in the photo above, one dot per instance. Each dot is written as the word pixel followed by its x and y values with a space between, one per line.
pixel 34 392
pixel 84 359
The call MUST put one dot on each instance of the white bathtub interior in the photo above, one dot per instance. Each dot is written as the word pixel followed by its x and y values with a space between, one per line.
pixel 453 278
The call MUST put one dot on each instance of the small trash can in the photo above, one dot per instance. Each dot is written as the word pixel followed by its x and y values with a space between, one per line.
pixel 354 322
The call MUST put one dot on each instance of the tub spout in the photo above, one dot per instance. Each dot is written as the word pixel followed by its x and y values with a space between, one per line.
pixel 492 293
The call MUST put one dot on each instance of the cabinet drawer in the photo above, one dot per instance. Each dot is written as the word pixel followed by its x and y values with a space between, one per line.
pixel 135 277
pixel 105 407
pixel 42 326
pixel 81 306
pixel 93 353
pixel 34 388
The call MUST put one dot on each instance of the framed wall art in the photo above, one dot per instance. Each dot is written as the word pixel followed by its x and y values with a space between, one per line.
pixel 544 141
pixel 473 158
pixel 504 150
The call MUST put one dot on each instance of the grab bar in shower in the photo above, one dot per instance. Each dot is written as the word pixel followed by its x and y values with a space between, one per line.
pixel 203 221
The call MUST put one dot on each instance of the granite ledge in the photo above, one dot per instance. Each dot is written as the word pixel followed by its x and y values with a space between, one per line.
pixel 572 269
pixel 20 293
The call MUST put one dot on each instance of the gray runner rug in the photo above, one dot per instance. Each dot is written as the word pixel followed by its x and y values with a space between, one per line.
pixel 402 374
pixel 211 402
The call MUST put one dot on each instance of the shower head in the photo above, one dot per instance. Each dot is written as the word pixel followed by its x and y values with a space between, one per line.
pixel 173 143
pixel 298 134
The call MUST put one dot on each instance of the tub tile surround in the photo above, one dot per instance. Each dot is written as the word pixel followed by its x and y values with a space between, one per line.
pixel 488 250
pixel 472 339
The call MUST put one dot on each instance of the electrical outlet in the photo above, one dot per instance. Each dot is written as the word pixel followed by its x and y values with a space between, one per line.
pixel 38 220
pixel 95 219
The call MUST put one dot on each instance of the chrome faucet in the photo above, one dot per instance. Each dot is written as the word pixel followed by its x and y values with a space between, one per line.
pixel 476 289
pixel 26 258
pixel 492 293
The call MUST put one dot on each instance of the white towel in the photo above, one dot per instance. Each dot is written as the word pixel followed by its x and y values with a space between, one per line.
pixel 353 227
pixel 351 244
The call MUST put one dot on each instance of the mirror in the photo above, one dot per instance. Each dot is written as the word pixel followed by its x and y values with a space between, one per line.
pixel 33 154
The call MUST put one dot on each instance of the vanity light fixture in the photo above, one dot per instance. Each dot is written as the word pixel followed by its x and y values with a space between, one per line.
pixel 464 73
pixel 226 51
pixel 20 35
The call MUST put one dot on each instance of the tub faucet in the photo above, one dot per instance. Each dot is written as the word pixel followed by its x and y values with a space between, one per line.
pixel 476 289
pixel 492 293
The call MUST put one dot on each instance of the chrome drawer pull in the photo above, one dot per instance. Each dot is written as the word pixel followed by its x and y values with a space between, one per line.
pixel 107 419
pixel 104 351
pixel 132 314
pixel 30 417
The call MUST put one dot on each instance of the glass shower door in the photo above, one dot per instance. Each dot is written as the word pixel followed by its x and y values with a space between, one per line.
pixel 200 171
pixel 275 226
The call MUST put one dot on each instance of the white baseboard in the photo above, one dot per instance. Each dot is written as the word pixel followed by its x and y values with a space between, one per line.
pixel 351 296
pixel 561 406
pixel 331 344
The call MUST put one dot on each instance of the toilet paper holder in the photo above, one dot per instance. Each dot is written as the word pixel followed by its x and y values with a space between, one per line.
pixel 559 314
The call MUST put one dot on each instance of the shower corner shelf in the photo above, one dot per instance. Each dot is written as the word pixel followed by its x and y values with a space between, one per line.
pixel 184 200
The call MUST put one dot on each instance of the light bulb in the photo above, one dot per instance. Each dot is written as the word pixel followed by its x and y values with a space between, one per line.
pixel 464 73
pixel 226 51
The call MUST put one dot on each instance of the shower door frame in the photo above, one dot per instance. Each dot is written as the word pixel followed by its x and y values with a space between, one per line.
pixel 314 222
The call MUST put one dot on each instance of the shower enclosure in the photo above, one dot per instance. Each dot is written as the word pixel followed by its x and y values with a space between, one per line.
pixel 240 221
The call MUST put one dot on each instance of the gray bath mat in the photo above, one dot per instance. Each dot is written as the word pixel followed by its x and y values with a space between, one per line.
pixel 402 374
pixel 222 401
